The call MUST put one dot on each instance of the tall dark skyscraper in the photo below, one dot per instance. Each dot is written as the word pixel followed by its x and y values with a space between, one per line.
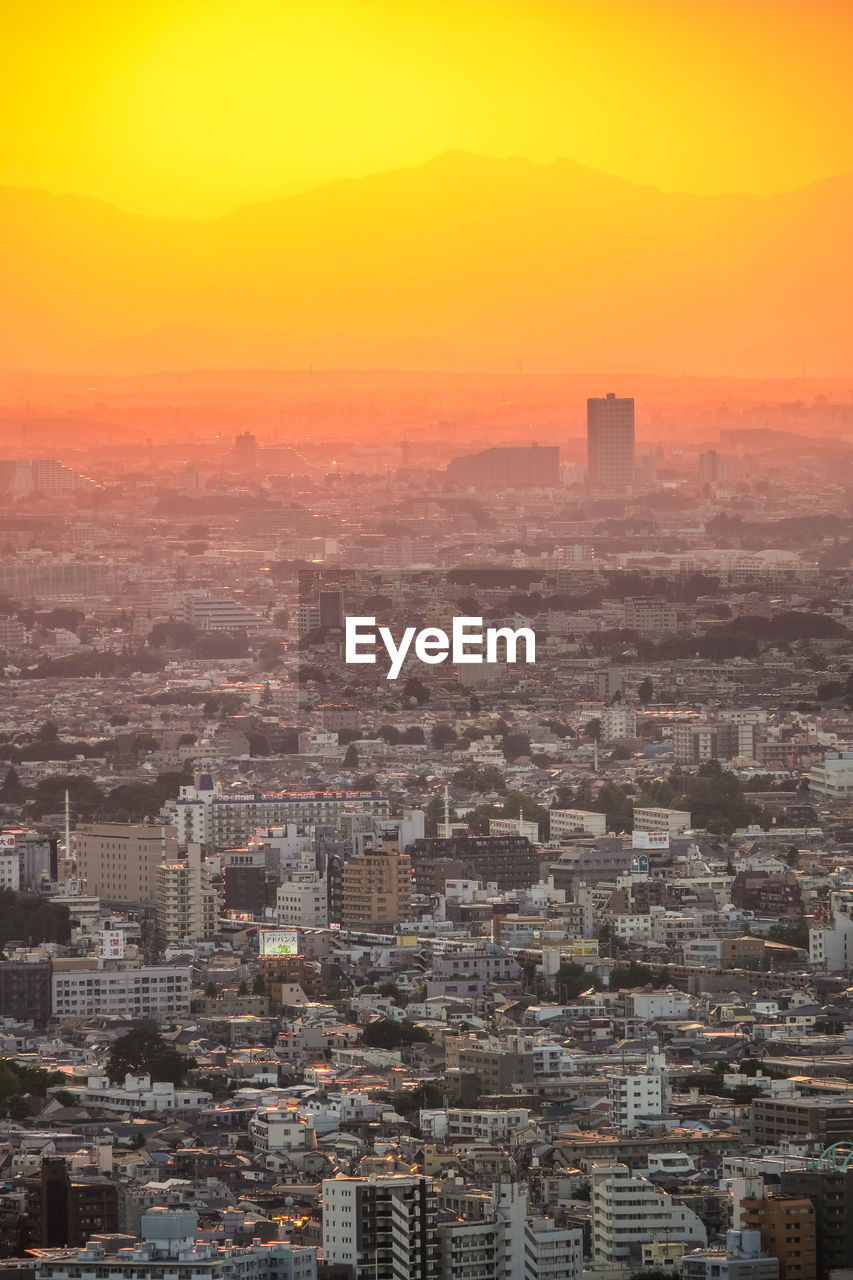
pixel 610 441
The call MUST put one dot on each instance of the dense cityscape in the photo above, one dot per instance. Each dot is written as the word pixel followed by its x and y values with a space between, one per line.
pixel 489 970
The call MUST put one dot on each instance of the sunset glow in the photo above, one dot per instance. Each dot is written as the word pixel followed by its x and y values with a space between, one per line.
pixel 191 107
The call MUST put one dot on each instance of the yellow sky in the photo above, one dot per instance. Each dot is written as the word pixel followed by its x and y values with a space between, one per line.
pixel 191 107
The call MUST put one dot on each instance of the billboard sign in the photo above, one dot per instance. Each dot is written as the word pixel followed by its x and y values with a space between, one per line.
pixel 650 840
pixel 111 945
pixel 7 842
pixel 279 942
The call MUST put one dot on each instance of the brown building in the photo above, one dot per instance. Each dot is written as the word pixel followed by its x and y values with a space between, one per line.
pixel 819 1120
pixel 831 1192
pixel 376 889
pixel 118 861
pixel 788 1226
pixel 25 990
pixel 65 1210
pixel 510 862
pixel 767 893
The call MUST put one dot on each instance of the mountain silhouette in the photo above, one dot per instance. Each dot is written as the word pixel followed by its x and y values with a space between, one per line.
pixel 464 262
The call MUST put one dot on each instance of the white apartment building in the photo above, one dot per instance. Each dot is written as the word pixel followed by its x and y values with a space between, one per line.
pixel 139 1094
pixel 833 778
pixel 218 821
pixel 275 1129
pixel 185 901
pixel 652 1005
pixel 629 1211
pixel 831 936
pixel 509 1243
pixel 671 821
pixel 572 822
pixel 618 721
pixel 635 1098
pixel 384 1228
pixel 458 1124
pixel 304 902
pixel 161 993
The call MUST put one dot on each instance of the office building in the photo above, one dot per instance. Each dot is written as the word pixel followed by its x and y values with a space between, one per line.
pixel 118 861
pixel 610 441
pixel 382 1228
pixel 821 1121
pixel 376 889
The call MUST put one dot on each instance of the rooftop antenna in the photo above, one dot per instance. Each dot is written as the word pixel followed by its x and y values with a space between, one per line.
pixel 67 824
pixel 595 756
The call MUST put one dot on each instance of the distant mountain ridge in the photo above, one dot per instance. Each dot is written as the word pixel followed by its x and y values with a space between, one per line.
pixel 464 262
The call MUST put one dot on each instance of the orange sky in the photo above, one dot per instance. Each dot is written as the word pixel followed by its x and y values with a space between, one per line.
pixel 192 107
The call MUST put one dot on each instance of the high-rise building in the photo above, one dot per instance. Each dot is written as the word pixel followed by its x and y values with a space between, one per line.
pixel 330 603
pixel 382 1227
pixel 184 900
pixel 118 861
pixel 610 441
pixel 376 889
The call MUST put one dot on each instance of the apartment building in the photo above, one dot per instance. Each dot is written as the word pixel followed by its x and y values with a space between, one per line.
pixel 185 902
pixel 376 889
pixel 788 1229
pixel 672 822
pixel 382 1228
pixel 157 992
pixel 628 1211
pixel 572 822
pixel 202 813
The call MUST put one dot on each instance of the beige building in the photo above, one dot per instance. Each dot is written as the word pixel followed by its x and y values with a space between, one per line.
pixel 118 861
pixel 185 902
pixel 376 889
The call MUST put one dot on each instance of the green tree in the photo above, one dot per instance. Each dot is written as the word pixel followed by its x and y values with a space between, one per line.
pixel 388 1034
pixel 145 1052
pixel 259 987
